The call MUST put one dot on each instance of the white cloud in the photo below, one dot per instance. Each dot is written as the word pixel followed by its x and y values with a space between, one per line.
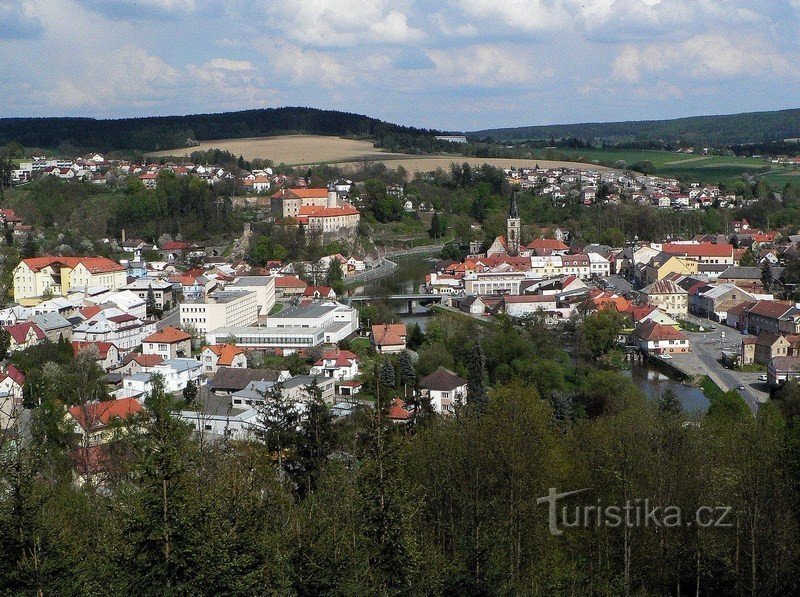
pixel 231 65
pixel 702 56
pixel 483 65
pixel 522 15
pixel 394 29
pixel 304 66
pixel 128 76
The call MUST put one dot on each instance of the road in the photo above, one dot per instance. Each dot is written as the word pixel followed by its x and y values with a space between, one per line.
pixel 171 318
pixel 384 269
pixel 707 350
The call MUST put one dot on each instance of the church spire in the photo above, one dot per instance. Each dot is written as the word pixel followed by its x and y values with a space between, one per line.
pixel 513 213
pixel 513 227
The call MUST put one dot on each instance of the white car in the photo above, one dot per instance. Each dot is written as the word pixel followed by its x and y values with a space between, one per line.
pixel 762 378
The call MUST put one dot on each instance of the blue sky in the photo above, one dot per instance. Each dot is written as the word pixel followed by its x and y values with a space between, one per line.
pixel 449 64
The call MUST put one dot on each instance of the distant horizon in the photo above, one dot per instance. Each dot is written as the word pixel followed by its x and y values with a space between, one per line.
pixel 438 128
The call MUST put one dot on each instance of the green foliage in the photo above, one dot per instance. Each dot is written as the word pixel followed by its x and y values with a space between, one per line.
pixel 599 332
pixel 387 374
pixel 438 226
pixel 476 392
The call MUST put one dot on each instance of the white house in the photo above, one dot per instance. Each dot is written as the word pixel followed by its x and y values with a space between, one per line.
pixel 222 355
pixel 341 365
pixel 444 389
pixel 176 373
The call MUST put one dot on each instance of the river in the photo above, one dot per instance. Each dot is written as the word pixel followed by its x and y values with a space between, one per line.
pixel 410 275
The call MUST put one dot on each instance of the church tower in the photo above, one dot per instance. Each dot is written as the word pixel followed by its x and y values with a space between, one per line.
pixel 333 196
pixel 513 227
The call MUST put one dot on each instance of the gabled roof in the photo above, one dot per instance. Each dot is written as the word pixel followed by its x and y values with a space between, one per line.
pixel 389 334
pixel 95 265
pixel 704 249
pixel 234 379
pixel 289 282
pixel 785 363
pixel 663 287
pixel 168 335
pixel 442 380
pixel 768 338
pixel 19 331
pixel 144 360
pixel 102 347
pixel 341 358
pixel 771 309
pixel 655 332
pixel 96 415
pixel 397 411
pixel 225 353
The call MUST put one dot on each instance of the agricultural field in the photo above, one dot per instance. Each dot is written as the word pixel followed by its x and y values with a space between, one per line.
pixel 291 149
pixel 302 150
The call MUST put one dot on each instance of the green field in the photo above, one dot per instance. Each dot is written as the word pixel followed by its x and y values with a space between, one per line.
pixel 688 167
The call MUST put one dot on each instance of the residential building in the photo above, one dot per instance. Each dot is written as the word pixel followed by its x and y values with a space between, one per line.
pixel 215 416
pixel 654 338
pixel 222 355
pixel 388 338
pixel 222 309
pixel 54 326
pixel 168 343
pixel 24 335
pixel 95 421
pixel 667 296
pixel 124 331
pixel 289 286
pixel 747 352
pixel 523 305
pixel 664 264
pixel 769 345
pixel 162 291
pixel 338 364
pixel 715 302
pixel 782 369
pixel 765 316
pixel 747 278
pixel 444 389
pixel 105 353
pixel 229 380
pixel 39 276
pixel 176 373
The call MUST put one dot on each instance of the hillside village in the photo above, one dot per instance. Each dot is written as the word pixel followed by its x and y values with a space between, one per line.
pixel 205 324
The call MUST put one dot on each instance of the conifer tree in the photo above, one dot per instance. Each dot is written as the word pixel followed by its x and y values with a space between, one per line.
pixel 387 376
pixel 476 371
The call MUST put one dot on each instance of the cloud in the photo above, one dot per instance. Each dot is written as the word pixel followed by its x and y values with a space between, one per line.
pixel 231 65
pixel 702 56
pixel 129 77
pixel 531 16
pixel 304 66
pixel 140 9
pixel 394 29
pixel 16 23
pixel 482 65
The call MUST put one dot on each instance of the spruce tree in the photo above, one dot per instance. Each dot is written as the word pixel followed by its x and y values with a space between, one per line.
pixel 316 439
pixel 766 276
pixel 387 374
pixel 476 371
pixel 190 392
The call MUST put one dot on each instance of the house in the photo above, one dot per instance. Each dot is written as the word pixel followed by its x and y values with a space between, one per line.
pixel 340 365
pixel 54 326
pixel 216 416
pixel 123 330
pixel 523 305
pixel 289 286
pixel 664 264
pixel 95 421
pixel 715 302
pixel 781 369
pixel 162 291
pixel 169 343
pixel 136 362
pixel 737 315
pixel 262 286
pixel 319 292
pixel 24 335
pixel 747 351
pixel 398 413
pixel 706 254
pixel 654 338
pixel 769 345
pixel 39 276
pixel 11 382
pixel 222 355
pixel 228 380
pixel 176 373
pixel 444 389
pixel 667 296
pixel 388 338
pixel 547 246
pixel 765 316
pixel 745 277
pixel 105 353
pixel 350 388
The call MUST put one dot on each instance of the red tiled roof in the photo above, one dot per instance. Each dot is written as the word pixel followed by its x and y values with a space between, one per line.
pixel 15 374
pixel 312 211
pixel 699 249
pixel 144 360
pixel 168 335
pixel 323 291
pixel 96 415
pixel 343 358
pixel 19 331
pixel 656 332
pixel 547 243
pixel 175 245
pixel 771 309
pixel 289 282
pixel 302 193
pixel 102 347
pixel 225 353
pixel 389 334
pixel 398 412
pixel 95 265
pixel 89 312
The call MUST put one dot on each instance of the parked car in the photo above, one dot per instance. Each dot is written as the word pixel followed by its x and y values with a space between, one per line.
pixel 762 378
pixel 741 386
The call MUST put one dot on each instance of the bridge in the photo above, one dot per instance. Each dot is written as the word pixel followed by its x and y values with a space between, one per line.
pixel 411 299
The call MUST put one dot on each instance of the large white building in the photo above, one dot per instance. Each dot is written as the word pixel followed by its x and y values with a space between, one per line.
pixel 222 309
pixel 263 286
pixel 324 322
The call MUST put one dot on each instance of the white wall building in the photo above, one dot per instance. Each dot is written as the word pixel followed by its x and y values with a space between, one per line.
pixel 227 308
pixel 263 286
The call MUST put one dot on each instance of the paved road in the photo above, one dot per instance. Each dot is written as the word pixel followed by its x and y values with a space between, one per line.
pixel 707 350
pixel 386 268
pixel 170 319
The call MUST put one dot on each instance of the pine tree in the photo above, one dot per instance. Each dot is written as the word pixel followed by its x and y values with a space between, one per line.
pixel 387 376
pixel 407 373
pixel 766 276
pixel 668 402
pixel 190 392
pixel 316 438
pixel 476 371
pixel 151 306
pixel 278 423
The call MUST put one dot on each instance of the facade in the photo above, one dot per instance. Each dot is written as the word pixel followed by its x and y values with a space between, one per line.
pixel 388 338
pixel 770 345
pixel 262 286
pixel 39 276
pixel 95 420
pixel 444 389
pixel 169 343
pixel 715 302
pixel 664 264
pixel 528 304
pixel 782 369
pixel 654 338
pixel 667 296
pixel 286 203
pixel 765 316
pixel 106 354
pixel 486 283
pixel 162 291
pixel 125 331
pixel 341 365
pixel 176 373
pixel 222 355
pixel 227 308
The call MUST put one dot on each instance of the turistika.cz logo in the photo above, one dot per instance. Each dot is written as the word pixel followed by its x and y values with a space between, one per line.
pixel 633 513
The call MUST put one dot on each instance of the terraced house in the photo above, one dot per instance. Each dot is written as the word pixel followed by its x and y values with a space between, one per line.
pixel 39 277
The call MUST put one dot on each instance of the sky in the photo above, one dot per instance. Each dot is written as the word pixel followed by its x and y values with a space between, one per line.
pixel 445 64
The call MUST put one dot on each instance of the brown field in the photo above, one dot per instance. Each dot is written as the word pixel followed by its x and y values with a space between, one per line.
pixel 316 149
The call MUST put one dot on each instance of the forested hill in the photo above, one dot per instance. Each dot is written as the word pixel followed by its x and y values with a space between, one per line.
pixel 167 132
pixel 750 127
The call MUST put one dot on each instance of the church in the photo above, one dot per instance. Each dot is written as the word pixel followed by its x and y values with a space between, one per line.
pixel 510 243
